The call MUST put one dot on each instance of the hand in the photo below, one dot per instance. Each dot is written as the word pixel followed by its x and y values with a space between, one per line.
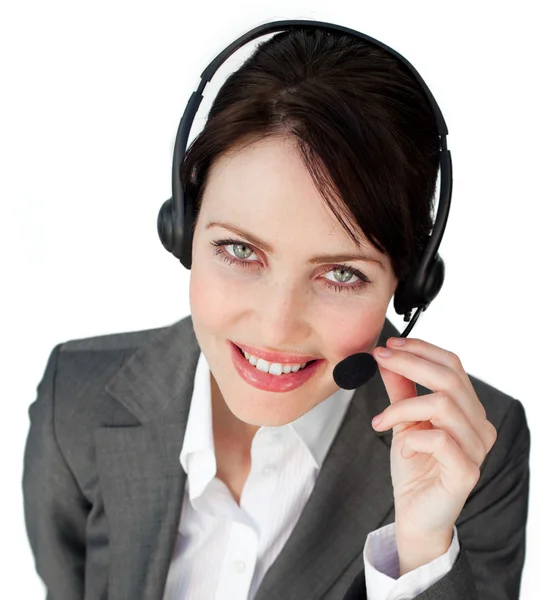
pixel 439 441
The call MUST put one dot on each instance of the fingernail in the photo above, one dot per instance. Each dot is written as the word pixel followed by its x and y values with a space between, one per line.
pixel 376 420
pixel 384 352
pixel 397 341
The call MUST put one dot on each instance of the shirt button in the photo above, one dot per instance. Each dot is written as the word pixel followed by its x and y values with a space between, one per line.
pixel 268 469
pixel 240 566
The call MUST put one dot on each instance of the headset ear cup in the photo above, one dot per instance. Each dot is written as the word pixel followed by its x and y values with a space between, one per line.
pixel 187 231
pixel 434 280
pixel 405 300
pixel 413 292
pixel 164 225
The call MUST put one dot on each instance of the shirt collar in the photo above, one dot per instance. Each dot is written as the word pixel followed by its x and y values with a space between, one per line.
pixel 315 429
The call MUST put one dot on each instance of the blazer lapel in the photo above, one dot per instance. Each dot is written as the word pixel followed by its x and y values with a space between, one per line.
pixel 353 496
pixel 142 480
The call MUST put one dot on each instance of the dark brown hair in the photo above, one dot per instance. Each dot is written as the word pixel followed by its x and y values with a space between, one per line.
pixel 361 122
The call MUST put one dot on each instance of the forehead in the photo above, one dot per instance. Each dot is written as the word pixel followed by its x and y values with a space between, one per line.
pixel 267 188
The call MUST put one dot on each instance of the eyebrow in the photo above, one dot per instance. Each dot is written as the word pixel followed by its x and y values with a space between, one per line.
pixel 323 258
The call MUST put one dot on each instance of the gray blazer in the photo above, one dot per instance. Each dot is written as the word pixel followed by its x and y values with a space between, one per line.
pixel 103 485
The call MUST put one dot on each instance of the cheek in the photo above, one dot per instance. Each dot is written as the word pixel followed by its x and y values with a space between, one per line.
pixel 215 299
pixel 356 331
pixel 206 295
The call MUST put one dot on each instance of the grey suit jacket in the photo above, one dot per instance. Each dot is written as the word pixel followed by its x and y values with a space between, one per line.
pixel 103 486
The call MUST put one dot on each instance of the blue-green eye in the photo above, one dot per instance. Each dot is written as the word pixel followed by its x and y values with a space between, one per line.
pixel 242 251
pixel 346 274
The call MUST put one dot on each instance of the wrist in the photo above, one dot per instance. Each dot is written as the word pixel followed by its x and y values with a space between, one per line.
pixel 414 551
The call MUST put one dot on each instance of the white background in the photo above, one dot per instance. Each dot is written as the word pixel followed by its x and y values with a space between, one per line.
pixel 91 96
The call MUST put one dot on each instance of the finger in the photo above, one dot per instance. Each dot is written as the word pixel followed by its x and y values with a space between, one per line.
pixel 398 386
pixel 437 378
pixel 443 413
pixel 457 472
pixel 433 353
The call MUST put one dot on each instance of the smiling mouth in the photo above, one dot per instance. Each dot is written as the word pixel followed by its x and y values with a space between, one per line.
pixel 285 364
pixel 274 356
pixel 273 377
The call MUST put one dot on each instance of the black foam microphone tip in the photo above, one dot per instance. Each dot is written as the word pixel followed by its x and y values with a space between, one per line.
pixel 354 370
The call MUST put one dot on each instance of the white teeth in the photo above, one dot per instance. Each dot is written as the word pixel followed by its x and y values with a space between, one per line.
pixel 262 365
pixel 272 368
pixel 275 369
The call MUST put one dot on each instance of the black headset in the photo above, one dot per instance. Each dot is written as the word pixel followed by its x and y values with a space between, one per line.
pixel 176 215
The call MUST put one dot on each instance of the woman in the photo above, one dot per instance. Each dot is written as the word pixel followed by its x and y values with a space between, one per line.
pixel 217 457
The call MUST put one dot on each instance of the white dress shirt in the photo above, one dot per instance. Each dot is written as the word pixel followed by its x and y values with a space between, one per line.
pixel 223 549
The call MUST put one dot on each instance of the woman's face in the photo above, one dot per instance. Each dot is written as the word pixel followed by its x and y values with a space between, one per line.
pixel 271 294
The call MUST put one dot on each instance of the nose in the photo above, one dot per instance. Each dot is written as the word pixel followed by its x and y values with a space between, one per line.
pixel 284 315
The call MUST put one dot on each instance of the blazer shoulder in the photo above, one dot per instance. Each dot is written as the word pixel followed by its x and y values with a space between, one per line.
pixel 124 340
pixel 86 365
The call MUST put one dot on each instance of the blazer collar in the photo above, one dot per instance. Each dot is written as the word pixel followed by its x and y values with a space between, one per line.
pixel 143 483
pixel 159 376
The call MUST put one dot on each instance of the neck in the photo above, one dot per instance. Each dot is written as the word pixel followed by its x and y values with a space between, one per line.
pixel 226 426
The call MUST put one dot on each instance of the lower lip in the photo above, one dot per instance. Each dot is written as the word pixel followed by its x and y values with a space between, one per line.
pixel 271 383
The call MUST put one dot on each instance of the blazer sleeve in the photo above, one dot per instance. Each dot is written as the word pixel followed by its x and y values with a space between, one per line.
pixel 54 508
pixel 491 526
